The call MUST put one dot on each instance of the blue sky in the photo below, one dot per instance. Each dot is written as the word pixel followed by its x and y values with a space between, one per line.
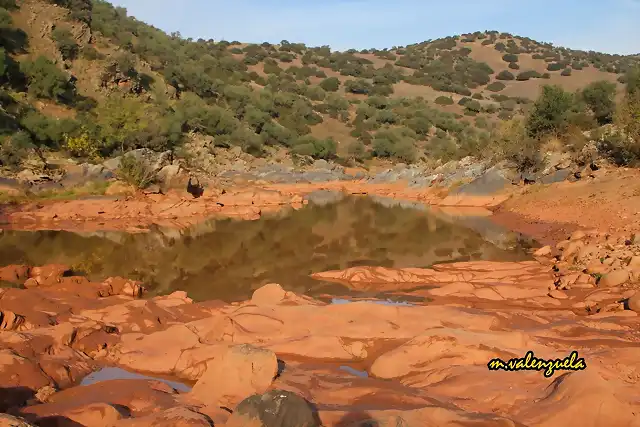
pixel 611 26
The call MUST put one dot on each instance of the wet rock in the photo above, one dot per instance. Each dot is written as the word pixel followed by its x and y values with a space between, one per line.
pixel 234 374
pixel 277 408
pixel 614 278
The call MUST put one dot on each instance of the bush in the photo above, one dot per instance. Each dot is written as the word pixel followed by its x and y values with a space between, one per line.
pixel 135 172
pixel 356 150
pixel 359 87
pixel 514 66
pixel 65 43
pixel 505 75
pixel 546 76
pixel 330 84
pixel 566 72
pixel 473 106
pixel 600 99
pixel 477 96
pixel 316 148
pixel 555 66
pixel 526 75
pixel 510 142
pixel 46 80
pixel 82 145
pixel 510 57
pixel 496 86
pixel 464 100
pixel 550 112
pixel 444 100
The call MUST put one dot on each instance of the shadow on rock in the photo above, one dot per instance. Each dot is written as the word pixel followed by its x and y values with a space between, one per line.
pixel 12 397
pixel 357 419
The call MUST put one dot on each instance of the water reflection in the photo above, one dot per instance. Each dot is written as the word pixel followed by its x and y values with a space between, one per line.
pixel 228 259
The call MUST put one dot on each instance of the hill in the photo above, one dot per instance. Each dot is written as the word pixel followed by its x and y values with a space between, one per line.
pixel 82 78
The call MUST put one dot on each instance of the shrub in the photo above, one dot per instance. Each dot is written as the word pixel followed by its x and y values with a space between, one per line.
pixel 473 106
pixel 555 66
pixel 82 145
pixel 316 148
pixel 496 86
pixel 500 47
pixel 135 172
pixel 566 72
pixel 360 86
pixel 477 96
pixel 511 142
pixel 505 75
pixel 514 66
pixel 550 112
pixel 356 150
pixel 46 80
pixel 65 43
pixel 444 100
pixel 526 75
pixel 487 42
pixel 464 100
pixel 510 57
pixel 546 76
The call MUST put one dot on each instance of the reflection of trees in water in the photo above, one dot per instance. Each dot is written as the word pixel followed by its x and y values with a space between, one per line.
pixel 228 258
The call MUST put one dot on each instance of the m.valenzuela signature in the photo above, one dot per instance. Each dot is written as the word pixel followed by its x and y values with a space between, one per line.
pixel 531 363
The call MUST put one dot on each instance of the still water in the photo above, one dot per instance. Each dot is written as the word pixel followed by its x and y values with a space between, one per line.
pixel 228 259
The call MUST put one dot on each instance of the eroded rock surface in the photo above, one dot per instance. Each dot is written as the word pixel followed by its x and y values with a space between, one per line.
pixel 421 364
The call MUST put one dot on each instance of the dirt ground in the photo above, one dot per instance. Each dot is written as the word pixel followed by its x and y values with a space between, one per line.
pixel 610 203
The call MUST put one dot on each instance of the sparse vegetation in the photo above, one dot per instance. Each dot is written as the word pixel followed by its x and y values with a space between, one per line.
pixel 137 87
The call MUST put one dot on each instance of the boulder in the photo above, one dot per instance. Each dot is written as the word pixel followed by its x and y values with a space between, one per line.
pixel 277 408
pixel 234 374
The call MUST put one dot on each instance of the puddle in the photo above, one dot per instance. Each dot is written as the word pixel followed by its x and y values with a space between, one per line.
pixel 228 259
pixel 352 371
pixel 107 374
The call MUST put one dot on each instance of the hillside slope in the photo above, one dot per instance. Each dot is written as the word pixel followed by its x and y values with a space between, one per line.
pixel 82 77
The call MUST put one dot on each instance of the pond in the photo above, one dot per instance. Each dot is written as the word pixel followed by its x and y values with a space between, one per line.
pixel 227 259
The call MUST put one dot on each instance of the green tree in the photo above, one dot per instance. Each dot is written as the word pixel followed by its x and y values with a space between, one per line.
pixel 600 99
pixel 46 80
pixel 550 112
pixel 330 84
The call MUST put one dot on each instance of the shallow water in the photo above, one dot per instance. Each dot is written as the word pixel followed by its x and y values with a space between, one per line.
pixel 109 373
pixel 228 259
